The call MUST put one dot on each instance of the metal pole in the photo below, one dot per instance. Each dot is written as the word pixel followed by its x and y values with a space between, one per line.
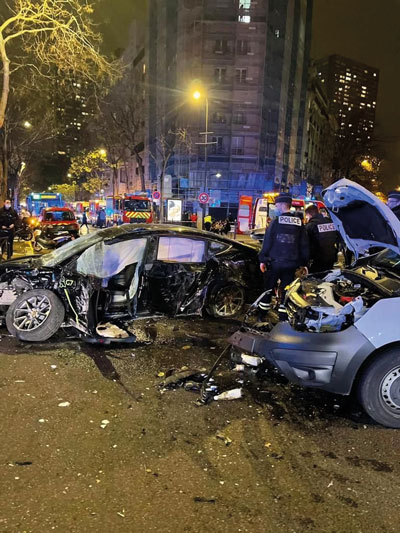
pixel 205 208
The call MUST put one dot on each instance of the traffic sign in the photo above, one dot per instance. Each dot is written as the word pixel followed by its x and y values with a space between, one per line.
pixel 156 195
pixel 204 198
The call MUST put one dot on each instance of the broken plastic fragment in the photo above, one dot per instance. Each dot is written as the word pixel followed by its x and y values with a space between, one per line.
pixel 104 423
pixel 64 404
pixel 233 394
pixel 224 438
pixel 250 360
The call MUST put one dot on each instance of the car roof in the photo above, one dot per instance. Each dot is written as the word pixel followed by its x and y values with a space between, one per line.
pixel 146 229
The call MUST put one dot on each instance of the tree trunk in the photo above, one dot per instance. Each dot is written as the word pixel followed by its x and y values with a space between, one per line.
pixel 162 196
pixel 139 161
pixel 6 82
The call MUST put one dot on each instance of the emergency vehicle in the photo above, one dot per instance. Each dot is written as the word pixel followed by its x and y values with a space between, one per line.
pixel 94 208
pixel 133 208
pixel 264 209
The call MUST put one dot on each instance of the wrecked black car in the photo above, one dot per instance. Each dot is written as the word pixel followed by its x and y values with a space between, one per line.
pixel 342 335
pixel 100 283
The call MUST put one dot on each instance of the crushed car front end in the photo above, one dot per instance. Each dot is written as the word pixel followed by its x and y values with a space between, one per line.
pixel 328 335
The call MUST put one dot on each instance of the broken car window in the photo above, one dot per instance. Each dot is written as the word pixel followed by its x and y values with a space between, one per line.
pixel 181 250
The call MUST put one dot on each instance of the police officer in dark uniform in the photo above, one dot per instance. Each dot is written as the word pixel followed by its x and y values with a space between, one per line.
pixel 8 221
pixel 323 239
pixel 284 250
pixel 394 202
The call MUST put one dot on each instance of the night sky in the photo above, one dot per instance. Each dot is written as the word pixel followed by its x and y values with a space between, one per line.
pixel 364 30
pixel 367 31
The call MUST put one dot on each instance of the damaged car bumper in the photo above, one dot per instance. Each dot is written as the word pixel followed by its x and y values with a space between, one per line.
pixel 329 362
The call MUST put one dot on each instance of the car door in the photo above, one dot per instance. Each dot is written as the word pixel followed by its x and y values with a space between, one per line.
pixel 79 294
pixel 177 277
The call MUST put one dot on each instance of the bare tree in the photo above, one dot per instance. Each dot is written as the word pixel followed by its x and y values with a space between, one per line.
pixel 161 151
pixel 124 109
pixel 49 37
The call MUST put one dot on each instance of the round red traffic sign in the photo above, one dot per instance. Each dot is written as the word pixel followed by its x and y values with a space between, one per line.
pixel 156 195
pixel 204 198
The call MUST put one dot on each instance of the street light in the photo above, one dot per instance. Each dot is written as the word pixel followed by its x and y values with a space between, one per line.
pixel 27 124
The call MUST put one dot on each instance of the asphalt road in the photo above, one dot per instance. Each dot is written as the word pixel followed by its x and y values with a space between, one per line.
pixel 90 443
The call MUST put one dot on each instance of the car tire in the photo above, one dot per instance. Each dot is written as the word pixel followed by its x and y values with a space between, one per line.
pixel 379 389
pixel 225 301
pixel 50 313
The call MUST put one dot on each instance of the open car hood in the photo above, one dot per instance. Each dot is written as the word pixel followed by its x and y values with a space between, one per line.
pixel 362 219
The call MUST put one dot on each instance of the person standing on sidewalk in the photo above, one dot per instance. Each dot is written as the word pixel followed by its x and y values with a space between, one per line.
pixel 8 220
pixel 285 248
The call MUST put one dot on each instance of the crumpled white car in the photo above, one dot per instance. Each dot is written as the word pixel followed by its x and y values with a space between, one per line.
pixel 343 333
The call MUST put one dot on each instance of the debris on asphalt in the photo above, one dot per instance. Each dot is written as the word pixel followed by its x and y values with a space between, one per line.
pixel 239 368
pixel 23 463
pixel 251 360
pixel 199 499
pixel 233 394
pixel 104 423
pixel 178 379
pixel 111 331
pixel 64 404
pixel 187 347
pixel 224 438
pixel 53 367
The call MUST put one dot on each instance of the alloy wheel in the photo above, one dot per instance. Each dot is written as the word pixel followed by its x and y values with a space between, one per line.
pixel 228 301
pixel 32 313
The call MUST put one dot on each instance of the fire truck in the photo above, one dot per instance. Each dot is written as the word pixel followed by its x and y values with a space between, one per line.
pixel 133 208
pixel 94 208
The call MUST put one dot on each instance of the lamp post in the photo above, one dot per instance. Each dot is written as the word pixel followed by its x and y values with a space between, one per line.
pixel 197 95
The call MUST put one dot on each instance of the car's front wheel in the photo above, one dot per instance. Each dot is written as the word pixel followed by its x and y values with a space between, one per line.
pixel 225 301
pixel 379 389
pixel 35 315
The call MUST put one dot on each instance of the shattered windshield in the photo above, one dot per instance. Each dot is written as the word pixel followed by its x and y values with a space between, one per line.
pixel 71 248
pixel 137 205
pixel 79 245
pixel 58 216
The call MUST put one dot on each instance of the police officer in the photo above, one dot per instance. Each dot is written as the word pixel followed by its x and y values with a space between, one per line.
pixel 284 250
pixel 8 221
pixel 394 202
pixel 323 239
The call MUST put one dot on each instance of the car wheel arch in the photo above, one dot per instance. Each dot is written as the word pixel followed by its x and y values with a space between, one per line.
pixel 375 354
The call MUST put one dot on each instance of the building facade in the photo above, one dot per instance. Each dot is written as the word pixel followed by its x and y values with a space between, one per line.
pixel 352 90
pixel 248 60
pixel 321 128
